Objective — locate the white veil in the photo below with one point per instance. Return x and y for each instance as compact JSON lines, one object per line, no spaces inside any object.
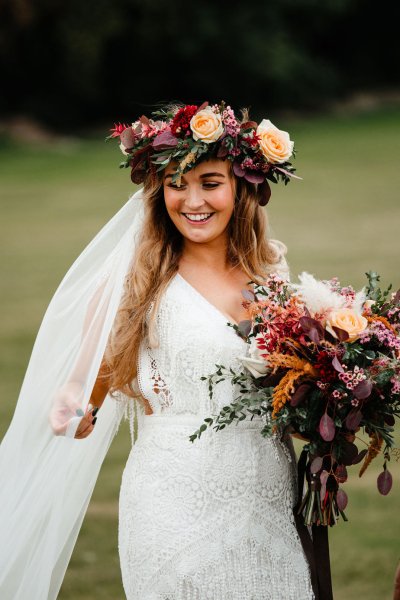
{"x":46,"y":480}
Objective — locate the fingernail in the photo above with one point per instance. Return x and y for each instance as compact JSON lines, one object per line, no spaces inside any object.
{"x":94,"y":421}
{"x":95,"y":411}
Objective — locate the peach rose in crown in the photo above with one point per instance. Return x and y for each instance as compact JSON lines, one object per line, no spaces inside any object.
{"x":206,"y":126}
{"x":347,"y":319}
{"x":275,"y":144}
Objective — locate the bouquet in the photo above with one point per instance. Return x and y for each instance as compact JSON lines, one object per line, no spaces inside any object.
{"x":324,"y":362}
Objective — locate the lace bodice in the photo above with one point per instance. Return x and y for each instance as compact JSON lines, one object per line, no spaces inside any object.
{"x":212,"y":519}
{"x":193,"y":338}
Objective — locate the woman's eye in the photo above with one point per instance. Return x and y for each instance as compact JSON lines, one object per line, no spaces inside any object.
{"x":210,"y":185}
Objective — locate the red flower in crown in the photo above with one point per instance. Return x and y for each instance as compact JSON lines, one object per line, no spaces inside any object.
{"x":180,"y":124}
{"x":118,"y":129}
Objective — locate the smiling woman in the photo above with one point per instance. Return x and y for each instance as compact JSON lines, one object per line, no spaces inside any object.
{"x":144,"y":311}
{"x":204,"y":200}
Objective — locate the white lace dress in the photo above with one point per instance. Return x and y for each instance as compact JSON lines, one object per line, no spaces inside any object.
{"x":210,"y":519}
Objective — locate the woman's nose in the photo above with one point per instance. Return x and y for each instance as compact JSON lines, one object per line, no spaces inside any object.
{"x":193,"y":198}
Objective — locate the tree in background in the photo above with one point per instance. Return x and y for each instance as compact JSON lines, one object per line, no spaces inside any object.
{"x":74,"y":63}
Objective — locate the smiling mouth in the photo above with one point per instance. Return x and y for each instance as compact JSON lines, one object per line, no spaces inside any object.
{"x":198,"y":217}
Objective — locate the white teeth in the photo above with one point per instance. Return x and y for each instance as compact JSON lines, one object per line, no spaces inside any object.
{"x":199,"y":217}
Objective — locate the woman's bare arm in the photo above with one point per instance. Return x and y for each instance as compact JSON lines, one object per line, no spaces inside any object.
{"x":99,"y":392}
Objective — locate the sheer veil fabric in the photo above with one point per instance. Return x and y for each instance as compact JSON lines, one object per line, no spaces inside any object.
{"x":46,"y":480}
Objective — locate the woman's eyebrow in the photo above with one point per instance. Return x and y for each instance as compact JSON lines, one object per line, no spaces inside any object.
{"x":212,"y":175}
{"x":203,"y":176}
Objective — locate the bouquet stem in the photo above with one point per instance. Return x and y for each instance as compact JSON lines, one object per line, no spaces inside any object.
{"x":315,"y":510}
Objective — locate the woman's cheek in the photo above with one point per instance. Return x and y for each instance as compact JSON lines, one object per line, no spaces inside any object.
{"x":172,"y":200}
{"x":222,"y":200}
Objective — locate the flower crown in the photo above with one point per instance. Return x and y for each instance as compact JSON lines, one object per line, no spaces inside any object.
{"x":191,"y":134}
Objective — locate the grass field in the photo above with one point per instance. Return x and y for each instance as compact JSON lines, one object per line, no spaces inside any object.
{"x":342,"y":219}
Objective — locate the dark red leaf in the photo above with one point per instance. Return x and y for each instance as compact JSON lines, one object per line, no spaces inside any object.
{"x":248,"y":295}
{"x":307,"y":323}
{"x":244,"y":327}
{"x":349,"y":452}
{"x":316,"y":464}
{"x":164,"y":141}
{"x":341,"y":499}
{"x":341,"y":333}
{"x":389,"y":420}
{"x":201,"y":107}
{"x":237,"y":169}
{"x":264,"y":193}
{"x":302,"y":391}
{"x":363,"y":389}
{"x":312,"y":328}
{"x":315,"y":335}
{"x":254,"y":176}
{"x":327,"y":428}
{"x":323,"y":479}
{"x":360,"y":456}
{"x":127,"y":138}
{"x":341,"y":473}
{"x":336,"y":364}
{"x":384,"y":482}
{"x":222,"y":151}
{"x":138,"y":164}
{"x":273,"y":379}
{"x":353,"y":419}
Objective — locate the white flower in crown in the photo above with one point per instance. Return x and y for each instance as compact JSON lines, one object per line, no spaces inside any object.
{"x":276,"y":145}
{"x":206,"y":125}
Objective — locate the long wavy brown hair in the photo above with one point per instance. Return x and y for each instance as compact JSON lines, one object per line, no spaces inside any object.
{"x":157,"y":261}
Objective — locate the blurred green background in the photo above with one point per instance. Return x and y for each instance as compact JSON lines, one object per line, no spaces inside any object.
{"x":70,"y":69}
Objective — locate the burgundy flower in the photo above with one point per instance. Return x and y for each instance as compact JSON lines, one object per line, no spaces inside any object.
{"x":180,"y":124}
{"x":324,"y":365}
{"x":252,"y":139}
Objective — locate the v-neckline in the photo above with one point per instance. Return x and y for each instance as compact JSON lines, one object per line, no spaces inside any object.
{"x":200,"y":295}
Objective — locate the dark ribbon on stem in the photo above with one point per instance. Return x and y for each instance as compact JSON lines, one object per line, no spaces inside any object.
{"x":316,"y":548}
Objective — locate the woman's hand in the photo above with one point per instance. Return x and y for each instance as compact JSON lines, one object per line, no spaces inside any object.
{"x":87,"y":424}
{"x":66,"y":412}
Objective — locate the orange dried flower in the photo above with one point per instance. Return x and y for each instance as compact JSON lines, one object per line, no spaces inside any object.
{"x":374,"y":448}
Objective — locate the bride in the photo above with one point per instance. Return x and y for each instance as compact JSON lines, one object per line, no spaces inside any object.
{"x":140,"y":318}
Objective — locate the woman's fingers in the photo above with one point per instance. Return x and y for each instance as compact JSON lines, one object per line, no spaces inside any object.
{"x":83,"y":434}
{"x":86,"y":425}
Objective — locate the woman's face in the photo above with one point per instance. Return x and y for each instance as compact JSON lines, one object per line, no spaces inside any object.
{"x":203,"y":204}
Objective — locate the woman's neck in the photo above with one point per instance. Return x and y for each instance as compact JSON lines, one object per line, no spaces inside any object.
{"x":210,"y":255}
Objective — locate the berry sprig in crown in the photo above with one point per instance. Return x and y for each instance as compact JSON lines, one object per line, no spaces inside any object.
{"x":190,"y":134}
